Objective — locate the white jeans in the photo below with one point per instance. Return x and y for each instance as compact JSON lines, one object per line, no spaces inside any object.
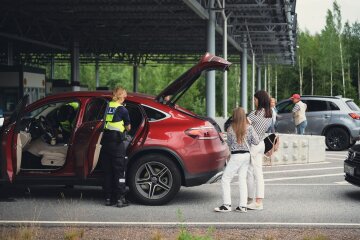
{"x":255,"y":176}
{"x":238,"y":163}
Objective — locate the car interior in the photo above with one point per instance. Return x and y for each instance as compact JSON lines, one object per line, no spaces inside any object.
{"x":43,"y":137}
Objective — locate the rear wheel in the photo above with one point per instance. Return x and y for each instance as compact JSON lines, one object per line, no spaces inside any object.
{"x":337,"y":139}
{"x":154,"y":179}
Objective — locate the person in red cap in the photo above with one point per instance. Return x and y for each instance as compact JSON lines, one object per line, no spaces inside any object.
{"x":299,"y":114}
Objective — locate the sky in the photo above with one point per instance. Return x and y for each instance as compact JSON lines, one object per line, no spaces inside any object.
{"x":311,"y":14}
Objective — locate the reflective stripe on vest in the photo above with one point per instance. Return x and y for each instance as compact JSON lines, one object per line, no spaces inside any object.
{"x":66,"y":125}
{"x":110,"y":125}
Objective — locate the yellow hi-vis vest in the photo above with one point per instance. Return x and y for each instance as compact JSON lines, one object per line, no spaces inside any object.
{"x":67,"y":125}
{"x":110,"y":125}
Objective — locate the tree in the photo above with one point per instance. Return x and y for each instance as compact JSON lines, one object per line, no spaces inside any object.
{"x":338,"y":28}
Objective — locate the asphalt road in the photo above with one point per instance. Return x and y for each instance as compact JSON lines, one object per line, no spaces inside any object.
{"x":312,"y":194}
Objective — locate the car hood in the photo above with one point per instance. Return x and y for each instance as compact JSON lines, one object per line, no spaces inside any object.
{"x":178,"y":87}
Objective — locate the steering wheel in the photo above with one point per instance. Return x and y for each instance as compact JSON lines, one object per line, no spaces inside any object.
{"x":46,"y":126}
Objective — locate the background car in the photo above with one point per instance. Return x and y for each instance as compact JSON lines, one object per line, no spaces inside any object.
{"x":336,"y":118}
{"x":352,"y":165}
{"x":170,"y":146}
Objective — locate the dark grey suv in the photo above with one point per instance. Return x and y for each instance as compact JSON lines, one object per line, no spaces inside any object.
{"x":336,"y":118}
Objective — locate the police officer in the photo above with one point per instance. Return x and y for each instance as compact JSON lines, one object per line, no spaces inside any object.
{"x":113,"y":149}
{"x":66,"y":117}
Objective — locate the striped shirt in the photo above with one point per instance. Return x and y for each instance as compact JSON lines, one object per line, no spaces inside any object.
{"x":296,"y":108}
{"x":259,"y":122}
{"x":251,"y":139}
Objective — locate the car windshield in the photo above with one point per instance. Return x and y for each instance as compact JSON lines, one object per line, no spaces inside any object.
{"x":44,"y":110}
{"x":353,"y":106}
{"x":285,"y":107}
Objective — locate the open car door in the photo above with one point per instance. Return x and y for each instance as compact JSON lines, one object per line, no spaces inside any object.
{"x":86,"y":143}
{"x":9,"y":135}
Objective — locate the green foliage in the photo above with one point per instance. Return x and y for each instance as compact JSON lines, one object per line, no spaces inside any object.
{"x":186,"y":235}
{"x":318,"y":237}
{"x":74,"y":234}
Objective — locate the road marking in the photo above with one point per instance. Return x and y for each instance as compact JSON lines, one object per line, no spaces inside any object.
{"x":88,"y":223}
{"x":334,"y":158}
{"x":343,"y":183}
{"x":336,"y":155}
{"x":303,"y":177}
{"x":305,"y":184}
{"x":297,"y":164}
{"x":302,"y":170}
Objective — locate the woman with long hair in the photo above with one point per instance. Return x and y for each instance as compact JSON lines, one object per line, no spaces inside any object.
{"x":240,"y":136}
{"x":260,"y":119}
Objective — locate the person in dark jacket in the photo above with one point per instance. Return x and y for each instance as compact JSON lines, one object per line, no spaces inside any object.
{"x":113,"y":152}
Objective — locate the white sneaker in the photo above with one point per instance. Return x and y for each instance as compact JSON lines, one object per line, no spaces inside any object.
{"x":223,"y":208}
{"x":255,"y":206}
{"x":241,"y":209}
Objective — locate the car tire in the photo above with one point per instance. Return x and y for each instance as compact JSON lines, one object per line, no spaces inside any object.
{"x":154,"y":179}
{"x":337,"y":139}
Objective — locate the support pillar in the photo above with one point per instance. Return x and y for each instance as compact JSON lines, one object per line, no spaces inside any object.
{"x":52,"y":68}
{"x":265,"y":78}
{"x":253,"y":82}
{"x":225,"y":76}
{"x":244,"y":103}
{"x":135,"y":77}
{"x":258,"y":78}
{"x":97,"y":72}
{"x":75,"y":62}
{"x":210,"y":75}
{"x":10,"y":54}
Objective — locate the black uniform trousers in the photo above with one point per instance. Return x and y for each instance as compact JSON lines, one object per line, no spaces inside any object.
{"x":114,"y":163}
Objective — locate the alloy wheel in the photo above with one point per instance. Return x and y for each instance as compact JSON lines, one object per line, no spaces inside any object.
{"x":153,"y":180}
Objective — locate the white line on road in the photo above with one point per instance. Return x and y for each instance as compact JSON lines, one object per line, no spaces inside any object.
{"x":334,"y":158}
{"x":303,"y":177}
{"x":336,"y":155}
{"x":67,"y":223}
{"x":303,"y":170}
{"x":343,"y":183}
{"x":297,"y":164}
{"x":306,"y":184}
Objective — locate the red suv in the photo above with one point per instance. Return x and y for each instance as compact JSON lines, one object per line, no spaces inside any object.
{"x":169,"y":146}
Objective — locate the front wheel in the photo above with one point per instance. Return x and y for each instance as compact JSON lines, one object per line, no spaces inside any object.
{"x":337,"y":139}
{"x":154,"y":179}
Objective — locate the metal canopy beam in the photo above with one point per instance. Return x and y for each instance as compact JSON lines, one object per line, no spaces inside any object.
{"x":154,"y":27}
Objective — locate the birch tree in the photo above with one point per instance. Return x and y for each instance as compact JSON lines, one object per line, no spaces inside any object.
{"x":338,"y":28}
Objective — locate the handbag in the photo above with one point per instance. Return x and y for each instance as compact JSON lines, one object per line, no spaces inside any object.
{"x":272,"y":143}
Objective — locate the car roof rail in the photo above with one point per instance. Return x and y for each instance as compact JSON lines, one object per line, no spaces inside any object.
{"x":319,"y":96}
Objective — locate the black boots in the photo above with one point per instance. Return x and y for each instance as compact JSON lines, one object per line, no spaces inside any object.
{"x":108,"y":202}
{"x":122,"y":202}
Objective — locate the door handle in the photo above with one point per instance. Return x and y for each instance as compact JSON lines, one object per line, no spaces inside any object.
{"x":327,"y":116}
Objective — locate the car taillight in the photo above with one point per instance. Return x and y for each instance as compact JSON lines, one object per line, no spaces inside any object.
{"x":355,"y":116}
{"x":203,"y":133}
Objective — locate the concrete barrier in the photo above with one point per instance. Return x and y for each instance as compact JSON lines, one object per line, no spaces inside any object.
{"x":298,"y":149}
{"x":293,"y":149}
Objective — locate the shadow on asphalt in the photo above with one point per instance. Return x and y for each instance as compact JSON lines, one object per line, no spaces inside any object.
{"x":10,"y":194}
{"x":354,"y":195}
{"x":188,"y":196}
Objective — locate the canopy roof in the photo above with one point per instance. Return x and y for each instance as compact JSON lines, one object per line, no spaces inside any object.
{"x":142,"y":30}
